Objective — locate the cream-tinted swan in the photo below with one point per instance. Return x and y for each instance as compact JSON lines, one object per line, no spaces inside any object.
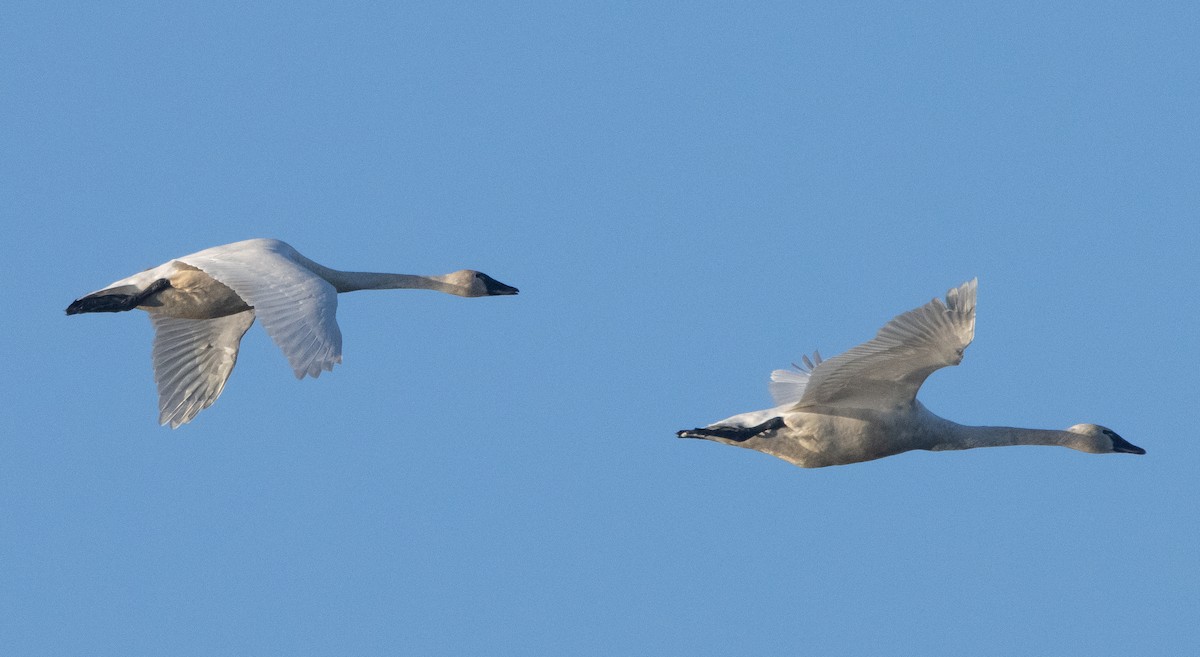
{"x":862,"y":405}
{"x":202,"y":304}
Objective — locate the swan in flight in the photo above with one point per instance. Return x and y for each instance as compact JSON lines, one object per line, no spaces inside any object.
{"x":862,"y":405}
{"x":202,"y":304}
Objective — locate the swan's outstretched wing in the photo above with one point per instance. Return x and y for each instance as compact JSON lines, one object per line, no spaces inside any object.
{"x":296,"y":307}
{"x":192,"y":361}
{"x":885,"y":372}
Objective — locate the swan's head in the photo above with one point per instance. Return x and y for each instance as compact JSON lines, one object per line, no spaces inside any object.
{"x":1101,"y":440}
{"x":471,"y":283}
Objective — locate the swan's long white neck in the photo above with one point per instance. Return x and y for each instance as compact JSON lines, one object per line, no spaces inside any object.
{"x":350,"y":281}
{"x":958,"y":436}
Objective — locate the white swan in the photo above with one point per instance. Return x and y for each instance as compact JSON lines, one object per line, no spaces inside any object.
{"x":202,"y":304}
{"x":862,"y":405}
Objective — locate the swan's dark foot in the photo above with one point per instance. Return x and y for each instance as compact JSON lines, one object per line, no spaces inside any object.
{"x":736,"y":434}
{"x":111,"y":301}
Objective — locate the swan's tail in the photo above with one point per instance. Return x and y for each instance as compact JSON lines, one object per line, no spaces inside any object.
{"x":116,"y":299}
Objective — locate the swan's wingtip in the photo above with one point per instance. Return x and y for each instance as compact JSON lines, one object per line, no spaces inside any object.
{"x":963,"y":297}
{"x":314,"y":370}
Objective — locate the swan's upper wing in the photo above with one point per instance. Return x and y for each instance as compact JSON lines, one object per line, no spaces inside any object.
{"x":296,"y":307}
{"x":885,"y":372}
{"x":192,"y":361}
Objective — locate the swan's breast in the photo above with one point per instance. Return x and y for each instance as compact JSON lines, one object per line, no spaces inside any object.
{"x":194,"y":294}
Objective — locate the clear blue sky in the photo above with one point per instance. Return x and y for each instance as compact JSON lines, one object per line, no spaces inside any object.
{"x":689,"y":196}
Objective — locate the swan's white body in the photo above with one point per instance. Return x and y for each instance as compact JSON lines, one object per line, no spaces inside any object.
{"x":202,"y":304}
{"x":861,"y":405}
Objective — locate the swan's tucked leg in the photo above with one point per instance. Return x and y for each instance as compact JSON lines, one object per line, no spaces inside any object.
{"x":117,"y":299}
{"x":736,"y":434}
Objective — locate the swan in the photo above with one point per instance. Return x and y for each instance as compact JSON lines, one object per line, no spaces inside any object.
{"x":202,"y":304}
{"x":862,"y":405}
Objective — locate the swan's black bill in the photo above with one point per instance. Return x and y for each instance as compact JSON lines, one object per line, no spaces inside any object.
{"x":1122,"y":446}
{"x":495,"y":287}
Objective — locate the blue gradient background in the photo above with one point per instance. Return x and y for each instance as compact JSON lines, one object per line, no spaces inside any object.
{"x":688,"y":195}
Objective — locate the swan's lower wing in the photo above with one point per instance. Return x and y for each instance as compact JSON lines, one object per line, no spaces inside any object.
{"x":296,"y":307}
{"x":886,"y":372}
{"x":192,"y":360}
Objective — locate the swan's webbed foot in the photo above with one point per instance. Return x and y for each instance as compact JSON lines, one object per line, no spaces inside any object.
{"x":736,"y":434}
{"x":111,"y":301}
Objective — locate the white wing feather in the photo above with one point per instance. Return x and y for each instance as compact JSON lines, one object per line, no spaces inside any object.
{"x":787,"y":386}
{"x":192,"y":360}
{"x":296,"y":307}
{"x":886,"y":372}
